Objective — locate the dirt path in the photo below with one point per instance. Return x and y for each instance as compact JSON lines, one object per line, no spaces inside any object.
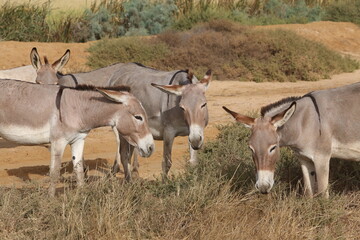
{"x":22,"y":163}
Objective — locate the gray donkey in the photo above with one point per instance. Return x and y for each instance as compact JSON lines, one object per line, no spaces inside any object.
{"x":172,"y":118}
{"x":318,"y":126}
{"x":50,"y":73}
{"x":177,"y":107}
{"x":33,"y":114}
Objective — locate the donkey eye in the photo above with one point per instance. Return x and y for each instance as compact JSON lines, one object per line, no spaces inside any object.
{"x":202,"y":106}
{"x":182,"y":108}
{"x":272,"y":148}
{"x":138,"y":117}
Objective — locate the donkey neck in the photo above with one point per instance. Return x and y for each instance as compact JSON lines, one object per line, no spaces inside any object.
{"x":85,"y":110}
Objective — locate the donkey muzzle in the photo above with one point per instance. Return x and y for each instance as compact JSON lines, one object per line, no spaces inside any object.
{"x":146,"y":146}
{"x":196,"y":137}
{"x":265,"y":181}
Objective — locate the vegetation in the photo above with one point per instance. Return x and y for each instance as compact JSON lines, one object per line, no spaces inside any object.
{"x":231,"y":50}
{"x":114,"y":18}
{"x":213,"y":200}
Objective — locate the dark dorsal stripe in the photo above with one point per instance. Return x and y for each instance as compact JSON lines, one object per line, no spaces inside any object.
{"x":84,"y":87}
{"x":142,"y":65}
{"x":269,"y":107}
{"x":316,"y":107}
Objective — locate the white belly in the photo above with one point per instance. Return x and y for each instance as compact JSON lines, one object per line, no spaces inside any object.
{"x":349,"y":151}
{"x":25,"y":134}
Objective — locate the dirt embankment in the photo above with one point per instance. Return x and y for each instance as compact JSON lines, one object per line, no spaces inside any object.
{"x":22,"y":163}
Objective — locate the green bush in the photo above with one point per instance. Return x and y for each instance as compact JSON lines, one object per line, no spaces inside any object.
{"x":146,"y":18}
{"x":126,"y":49}
{"x":24,"y":22}
{"x":343,"y":11}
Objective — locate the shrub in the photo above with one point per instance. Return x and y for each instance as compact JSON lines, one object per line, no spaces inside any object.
{"x":24,"y":22}
{"x":232,"y":51}
{"x":127,"y":49}
{"x":343,"y":11}
{"x":145,"y":17}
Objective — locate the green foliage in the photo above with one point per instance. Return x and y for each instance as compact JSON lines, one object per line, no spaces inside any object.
{"x":23,"y":22}
{"x":127,"y":49}
{"x":343,"y":11}
{"x":293,"y":13}
{"x":145,"y":17}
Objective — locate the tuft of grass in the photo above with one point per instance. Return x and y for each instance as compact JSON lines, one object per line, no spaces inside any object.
{"x":232,"y":51}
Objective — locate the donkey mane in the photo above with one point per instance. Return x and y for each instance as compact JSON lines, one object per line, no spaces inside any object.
{"x":271,"y":106}
{"x":84,"y":87}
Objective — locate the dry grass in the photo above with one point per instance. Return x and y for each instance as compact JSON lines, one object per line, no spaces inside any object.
{"x":61,"y":5}
{"x":214,"y":200}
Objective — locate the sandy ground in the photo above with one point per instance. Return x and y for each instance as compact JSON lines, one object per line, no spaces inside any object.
{"x":20,"y":164}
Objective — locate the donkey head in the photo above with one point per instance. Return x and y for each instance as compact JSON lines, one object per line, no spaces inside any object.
{"x":264,"y":143}
{"x":194,"y":106}
{"x":47,"y":73}
{"x":131,"y":121}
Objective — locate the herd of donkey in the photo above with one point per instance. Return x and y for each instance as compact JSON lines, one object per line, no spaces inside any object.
{"x":142,"y":104}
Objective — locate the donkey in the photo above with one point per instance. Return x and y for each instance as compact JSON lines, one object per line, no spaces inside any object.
{"x":50,"y":73}
{"x":317,"y":126}
{"x":24,"y":73}
{"x":60,"y":116}
{"x":179,"y":109}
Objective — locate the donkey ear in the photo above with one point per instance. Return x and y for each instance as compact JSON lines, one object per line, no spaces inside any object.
{"x":281,"y":118}
{"x":206,"y":79}
{"x":170,"y":89}
{"x":115,"y":96}
{"x":35,"y":59}
{"x":247,"y":121}
{"x":190,"y":75}
{"x":61,"y":62}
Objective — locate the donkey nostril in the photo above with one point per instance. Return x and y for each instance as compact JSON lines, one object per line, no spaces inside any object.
{"x":201,"y":138}
{"x":151,"y":148}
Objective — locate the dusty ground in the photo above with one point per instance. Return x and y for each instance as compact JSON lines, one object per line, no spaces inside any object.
{"x":23,"y":163}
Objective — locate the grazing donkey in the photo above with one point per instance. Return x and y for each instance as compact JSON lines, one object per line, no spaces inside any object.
{"x":38,"y":114}
{"x":50,"y":73}
{"x":318,"y":126}
{"x":24,"y":73}
{"x":179,"y":109}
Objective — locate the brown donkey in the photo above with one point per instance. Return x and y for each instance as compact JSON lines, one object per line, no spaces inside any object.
{"x":318,"y":126}
{"x":38,"y":114}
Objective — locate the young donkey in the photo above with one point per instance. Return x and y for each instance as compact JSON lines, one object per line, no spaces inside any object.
{"x":318,"y":126}
{"x":37,"y":114}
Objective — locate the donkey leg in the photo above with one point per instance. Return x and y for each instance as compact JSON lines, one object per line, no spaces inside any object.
{"x":135,"y":164}
{"x":309,"y":176}
{"x":322,"y":168}
{"x":77,"y":149}
{"x":57,"y":151}
{"x":193,"y":156}
{"x":116,"y":166}
{"x":167,"y":147}
{"x":126,"y":151}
